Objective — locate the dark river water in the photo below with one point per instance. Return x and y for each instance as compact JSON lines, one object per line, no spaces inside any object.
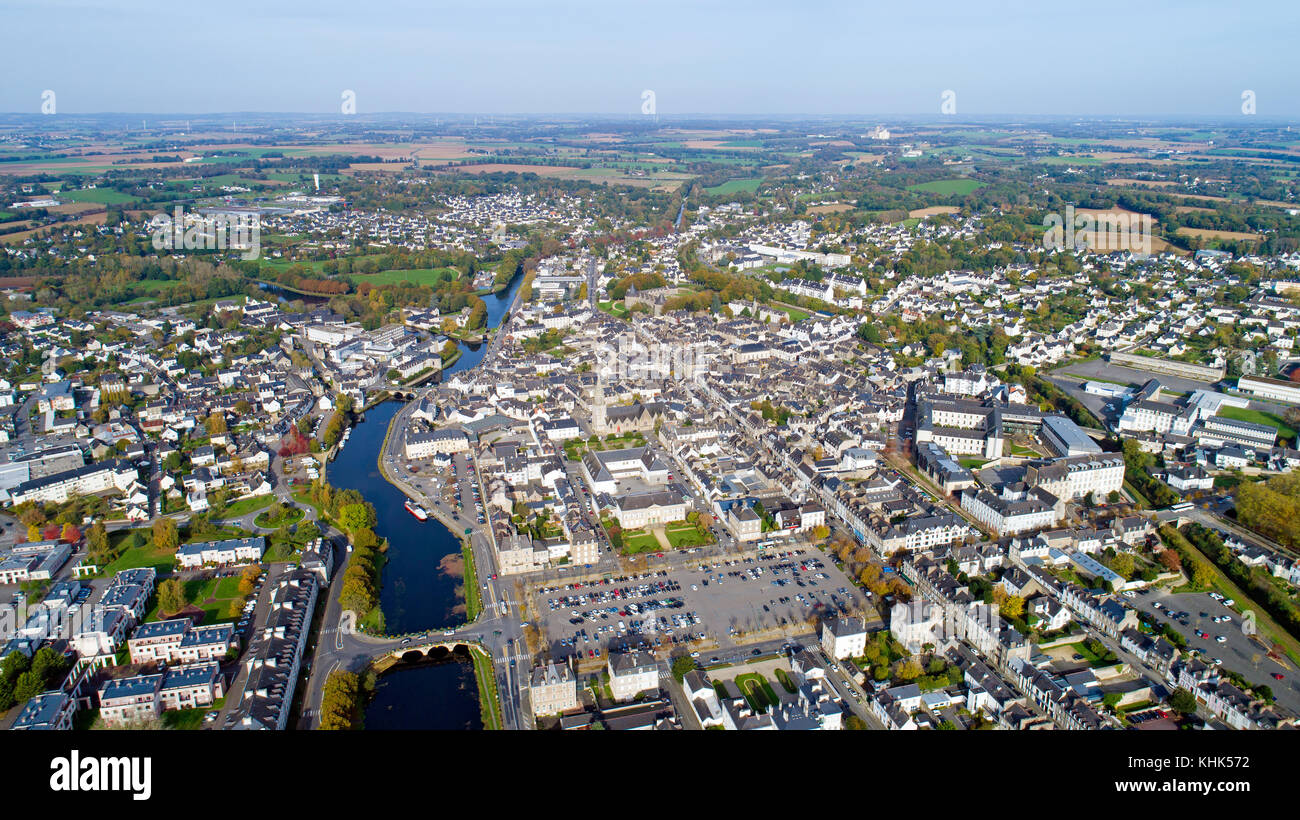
{"x":418,"y":593}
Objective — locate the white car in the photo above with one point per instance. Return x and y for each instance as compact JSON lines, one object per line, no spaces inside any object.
{"x":1220,"y":639}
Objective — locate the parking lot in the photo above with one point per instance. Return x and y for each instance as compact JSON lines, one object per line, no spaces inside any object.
{"x":1196,"y":612}
{"x":712,"y":600}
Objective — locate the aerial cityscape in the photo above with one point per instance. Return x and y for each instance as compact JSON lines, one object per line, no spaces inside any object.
{"x":318,"y":415}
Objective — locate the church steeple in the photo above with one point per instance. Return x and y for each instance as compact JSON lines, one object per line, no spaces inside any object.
{"x":598,"y":418}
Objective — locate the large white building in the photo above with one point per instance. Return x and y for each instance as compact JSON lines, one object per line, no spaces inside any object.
{"x":86,"y":480}
{"x":1267,"y":388}
{"x":636,"y":510}
{"x":844,"y":638}
{"x":552,"y":689}
{"x":1074,"y":477}
{"x":1013,"y":511}
{"x":424,"y":445}
{"x":631,"y":673}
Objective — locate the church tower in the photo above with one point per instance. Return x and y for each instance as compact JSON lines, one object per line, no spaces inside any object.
{"x":599,"y":422}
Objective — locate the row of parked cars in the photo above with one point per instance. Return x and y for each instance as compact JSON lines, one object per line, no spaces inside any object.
{"x":251,"y":603}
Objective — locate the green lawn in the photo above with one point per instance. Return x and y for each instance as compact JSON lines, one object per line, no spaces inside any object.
{"x":948,"y":187}
{"x":275,"y":517}
{"x":244,"y":506}
{"x":1258,"y":417}
{"x":418,"y":276}
{"x":212,"y":595}
{"x":973,"y":463}
{"x":144,"y":556}
{"x":686,"y":537}
{"x":1093,"y":658}
{"x":786,"y":682}
{"x":190,"y":719}
{"x":733,"y":186}
{"x":640,"y":541}
{"x":575,"y":447}
{"x":617,"y":310}
{"x":757,"y":691}
{"x":795,"y":314}
{"x":103,"y":196}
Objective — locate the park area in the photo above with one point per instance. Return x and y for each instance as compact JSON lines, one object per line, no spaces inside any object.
{"x":755,"y":683}
{"x":219,"y":598}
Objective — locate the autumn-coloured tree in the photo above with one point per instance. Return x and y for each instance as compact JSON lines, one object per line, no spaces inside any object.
{"x":171,"y":596}
{"x":1170,"y":560}
{"x":164,"y":533}
{"x":248,"y":578}
{"x":1013,"y":606}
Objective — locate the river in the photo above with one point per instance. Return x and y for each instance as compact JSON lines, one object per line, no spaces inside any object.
{"x":418,"y":592}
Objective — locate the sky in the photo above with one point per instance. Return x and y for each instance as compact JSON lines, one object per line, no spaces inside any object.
{"x":1150,"y":59}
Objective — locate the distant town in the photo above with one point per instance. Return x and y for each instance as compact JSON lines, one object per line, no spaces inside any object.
{"x":685,"y":425}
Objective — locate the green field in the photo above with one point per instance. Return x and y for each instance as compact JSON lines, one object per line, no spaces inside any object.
{"x":948,"y":187}
{"x":212,"y":595}
{"x":190,"y":719}
{"x":618,"y":310}
{"x":1259,"y":417}
{"x":303,"y":177}
{"x":418,"y":276}
{"x":795,"y":314}
{"x":757,"y":691}
{"x":733,"y":186}
{"x":145,"y":556}
{"x":104,"y":196}
{"x":640,"y":541}
{"x":686,"y":537}
{"x":244,"y":506}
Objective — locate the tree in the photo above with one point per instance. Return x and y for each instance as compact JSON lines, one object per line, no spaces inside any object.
{"x":1013,"y":606}
{"x":165,"y":536}
{"x":248,"y":579}
{"x":681,"y":665}
{"x":1202,"y":575}
{"x":28,"y":686}
{"x":354,"y":517}
{"x":97,"y":543}
{"x":171,"y":596}
{"x":216,"y":423}
{"x":1170,"y":560}
{"x":909,"y":670}
{"x":339,"y":700}
{"x":1182,"y":701}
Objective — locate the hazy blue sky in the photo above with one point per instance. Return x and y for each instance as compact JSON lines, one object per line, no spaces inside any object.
{"x":1141,"y":59}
